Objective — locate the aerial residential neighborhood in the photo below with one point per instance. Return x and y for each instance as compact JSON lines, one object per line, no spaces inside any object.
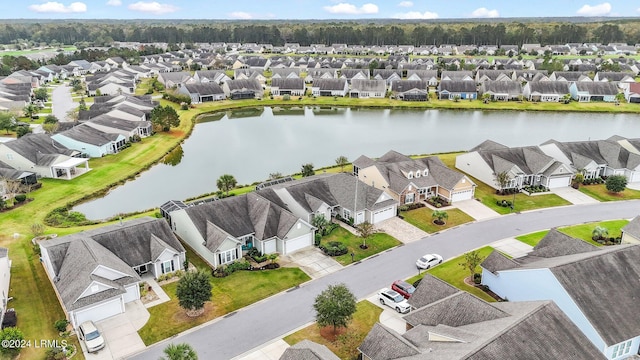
{"x":327,"y":181}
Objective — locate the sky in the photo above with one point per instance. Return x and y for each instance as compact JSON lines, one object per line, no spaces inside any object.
{"x":312,"y":9}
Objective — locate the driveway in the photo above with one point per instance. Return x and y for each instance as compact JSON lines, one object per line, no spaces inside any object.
{"x":574,"y":196}
{"x":61,"y":102}
{"x":401,"y":230}
{"x":312,"y":261}
{"x":512,"y":247}
{"x":476,"y":209}
{"x":121,"y":333}
{"x":287,"y":311}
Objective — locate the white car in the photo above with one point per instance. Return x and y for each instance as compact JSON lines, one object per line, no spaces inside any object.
{"x":428,"y":261}
{"x":88,"y":332}
{"x":394,"y":300}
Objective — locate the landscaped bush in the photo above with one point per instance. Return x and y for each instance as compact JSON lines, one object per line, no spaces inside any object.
{"x":535,"y":189}
{"x":317,"y":239}
{"x":594,"y":181}
{"x":177,"y":98}
{"x":415,"y":206}
{"x":256,"y":255}
{"x":20,"y":198}
{"x":334,"y":248}
{"x":504,"y":203}
{"x":477,"y":278}
{"x":438,"y":201}
{"x":61,"y":325}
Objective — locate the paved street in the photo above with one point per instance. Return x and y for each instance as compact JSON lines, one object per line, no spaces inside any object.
{"x":62,"y":102}
{"x":260,"y":323}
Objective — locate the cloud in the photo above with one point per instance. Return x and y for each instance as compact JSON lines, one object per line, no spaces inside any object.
{"x":350,"y":9}
{"x":595,"y":10}
{"x":153,"y":7}
{"x":485,"y":13}
{"x":114,"y":2}
{"x":405,"y":4}
{"x":56,"y":7}
{"x":240,"y":15}
{"x":411,"y":15}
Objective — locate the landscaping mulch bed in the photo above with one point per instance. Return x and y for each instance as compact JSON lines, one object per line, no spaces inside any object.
{"x":470,"y":282}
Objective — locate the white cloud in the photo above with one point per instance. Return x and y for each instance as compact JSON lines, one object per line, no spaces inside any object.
{"x":411,"y":15}
{"x":153,"y":7}
{"x":485,"y":13}
{"x":595,"y":10}
{"x":240,"y":15}
{"x":405,"y":4}
{"x":56,"y":7}
{"x":114,"y":2}
{"x":350,"y":9}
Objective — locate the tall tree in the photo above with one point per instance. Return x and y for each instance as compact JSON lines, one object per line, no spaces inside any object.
{"x":165,"y":117}
{"x":226,"y":183}
{"x":182,"y":351}
{"x":193,"y":290}
{"x":307,"y":170}
{"x":335,"y":306}
{"x":6,"y":121}
{"x":342,"y":161}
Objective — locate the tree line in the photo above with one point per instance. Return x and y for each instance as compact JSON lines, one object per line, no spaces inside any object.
{"x":104,"y":33}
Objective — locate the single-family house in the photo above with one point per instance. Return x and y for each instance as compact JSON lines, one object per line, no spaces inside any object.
{"x":96,"y":272}
{"x":501,"y":90}
{"x":457,"y":89}
{"x":90,"y":141}
{"x":173,"y":79}
{"x":622,"y":79}
{"x":461,"y":75}
{"x":42,"y":155}
{"x":493,"y":75}
{"x":410,"y":90}
{"x":114,"y":125}
{"x":595,"y":158}
{"x":388,"y":75}
{"x":286,"y":72}
{"x":205,"y":76}
{"x":631,"y":231}
{"x":430,"y":76}
{"x":354,"y":74}
{"x":320,"y":73}
{"x":545,"y":91}
{"x":569,"y":76}
{"x":593,"y":91}
{"x":559,"y":269}
{"x":455,"y":325}
{"x":117,"y":62}
{"x":412,"y":180}
{"x":248,"y":74}
{"x":524,"y":166}
{"x":202,"y":92}
{"x":219,"y":231}
{"x":329,"y":87}
{"x":243,"y":89}
{"x":632,"y":93}
{"x":288,"y":86}
{"x":365,"y":88}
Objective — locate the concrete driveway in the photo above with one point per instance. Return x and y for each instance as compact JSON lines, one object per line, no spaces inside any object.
{"x":312,"y":261}
{"x":476,"y":209}
{"x":574,"y":196}
{"x":121,"y":333}
{"x":401,"y":230}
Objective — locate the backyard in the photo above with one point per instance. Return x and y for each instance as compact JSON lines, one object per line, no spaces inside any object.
{"x":376,"y":243}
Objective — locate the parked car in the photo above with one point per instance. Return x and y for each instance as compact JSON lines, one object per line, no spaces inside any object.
{"x":394,"y":300}
{"x":403,"y":288}
{"x":428,"y":261}
{"x":88,"y":332}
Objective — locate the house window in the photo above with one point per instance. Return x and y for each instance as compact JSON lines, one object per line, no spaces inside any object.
{"x":422,"y":191}
{"x":410,"y":175}
{"x":346,"y":213}
{"x":227,"y":256}
{"x":621,"y":349}
{"x":425,"y":173}
{"x":167,"y":267}
{"x":409,"y":198}
{"x":417,"y":174}
{"x":355,"y":170}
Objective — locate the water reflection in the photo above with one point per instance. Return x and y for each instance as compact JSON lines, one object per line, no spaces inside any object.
{"x":174,"y":157}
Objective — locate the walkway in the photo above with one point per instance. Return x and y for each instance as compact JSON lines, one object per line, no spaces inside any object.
{"x":574,"y":196}
{"x":476,"y":209}
{"x":162,"y":296}
{"x":401,"y":230}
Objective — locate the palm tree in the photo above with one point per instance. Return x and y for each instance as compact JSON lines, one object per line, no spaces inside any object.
{"x":181,"y":351}
{"x":226,"y":182}
{"x":439,"y":216}
{"x":566,"y":98}
{"x":342,"y":161}
{"x":599,"y":233}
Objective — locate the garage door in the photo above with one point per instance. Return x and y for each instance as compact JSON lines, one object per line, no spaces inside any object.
{"x":97,"y":313}
{"x":383,"y":214}
{"x":462,"y":195}
{"x":634,"y":176}
{"x":559,"y":182}
{"x":270,"y":246}
{"x":132,"y":293}
{"x":298,"y":243}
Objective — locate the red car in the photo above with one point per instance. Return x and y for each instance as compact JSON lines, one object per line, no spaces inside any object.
{"x":403,"y":288}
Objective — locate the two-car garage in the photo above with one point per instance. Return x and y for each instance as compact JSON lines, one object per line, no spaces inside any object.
{"x":106,"y":308}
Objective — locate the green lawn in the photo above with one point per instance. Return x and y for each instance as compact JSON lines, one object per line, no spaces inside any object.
{"x":345,"y":346}
{"x":377,"y":243}
{"x":600,"y":193}
{"x":582,"y":231}
{"x":451,"y":272}
{"x":422,"y":219}
{"x":229,"y":294}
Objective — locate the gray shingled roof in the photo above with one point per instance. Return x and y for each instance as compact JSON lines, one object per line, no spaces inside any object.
{"x":501,"y":87}
{"x":288,"y":83}
{"x":430,"y":290}
{"x":368,"y":85}
{"x":329,"y":84}
{"x":555,"y":243}
{"x":308,"y":350}
{"x":496,"y":262}
{"x":597,"y":88}
{"x":244,"y":84}
{"x":383,"y":343}
{"x":457,"y":86}
{"x":633,"y":227}
{"x":549,"y":87}
{"x":529,"y":159}
{"x":117,"y":123}
{"x":34,"y":146}
{"x":204,"y":89}
{"x":407,"y":85}
{"x":87,"y":134}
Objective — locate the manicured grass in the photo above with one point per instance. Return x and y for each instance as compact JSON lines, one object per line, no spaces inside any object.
{"x":452,"y":272}
{"x":195,"y":259}
{"x":582,"y":231}
{"x":377,"y":243}
{"x":422,"y":219}
{"x":345,"y":346}
{"x":228,"y":294}
{"x":600,"y":192}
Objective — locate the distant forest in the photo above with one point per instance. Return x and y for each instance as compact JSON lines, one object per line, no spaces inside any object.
{"x":382,"y":32}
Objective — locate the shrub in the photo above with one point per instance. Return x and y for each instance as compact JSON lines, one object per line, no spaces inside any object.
{"x":317,"y":239}
{"x":14,"y":336}
{"x":403,"y":208}
{"x":184,"y":106}
{"x":21,"y":198}
{"x":477,"y":278}
{"x":61,"y":325}
{"x":334,"y":248}
{"x":241,"y":264}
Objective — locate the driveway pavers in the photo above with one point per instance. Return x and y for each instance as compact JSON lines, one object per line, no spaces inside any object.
{"x":401,"y":230}
{"x":574,"y":196}
{"x":476,"y":209}
{"x":312,"y":261}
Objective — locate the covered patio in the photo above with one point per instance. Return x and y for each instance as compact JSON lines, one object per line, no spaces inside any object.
{"x":70,"y":168}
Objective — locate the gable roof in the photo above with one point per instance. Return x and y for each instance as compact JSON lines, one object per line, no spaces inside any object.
{"x":457,"y":86}
{"x":308,"y":350}
{"x":288,"y":83}
{"x":633,"y":227}
{"x":36,"y":146}
{"x":549,"y":87}
{"x":330,"y":84}
{"x":368,"y":85}
{"x":208,"y":88}
{"x":556,"y":243}
{"x":430,"y":290}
